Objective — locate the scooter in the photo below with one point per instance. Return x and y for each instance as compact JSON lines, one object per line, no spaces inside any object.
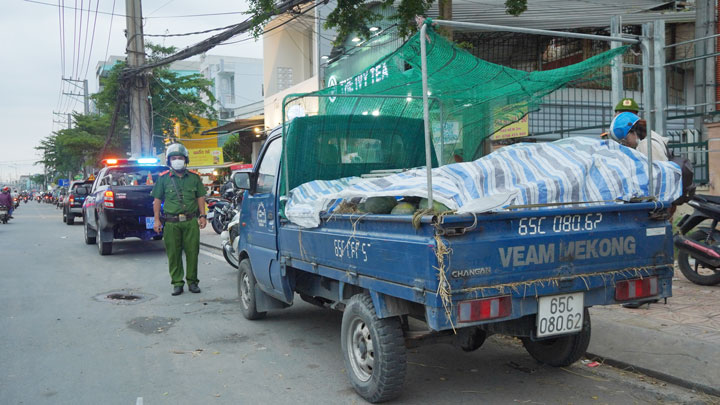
{"x":230,"y":240}
{"x":4,"y":214}
{"x":699,"y":250}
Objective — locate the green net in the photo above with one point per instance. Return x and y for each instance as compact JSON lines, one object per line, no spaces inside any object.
{"x":373,"y":121}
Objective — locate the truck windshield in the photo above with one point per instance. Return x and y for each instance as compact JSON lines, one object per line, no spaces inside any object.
{"x":134,"y":175}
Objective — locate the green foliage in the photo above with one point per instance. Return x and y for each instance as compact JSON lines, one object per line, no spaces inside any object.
{"x":355,"y":17}
{"x":238,"y":148}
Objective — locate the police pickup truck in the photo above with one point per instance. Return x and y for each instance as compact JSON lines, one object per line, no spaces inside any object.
{"x":528,"y":273}
{"x":119,"y":205}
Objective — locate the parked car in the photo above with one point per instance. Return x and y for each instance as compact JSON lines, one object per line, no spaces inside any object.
{"x":119,"y":205}
{"x":73,"y":201}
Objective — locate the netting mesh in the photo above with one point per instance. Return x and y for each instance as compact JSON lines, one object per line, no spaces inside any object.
{"x":470,"y":100}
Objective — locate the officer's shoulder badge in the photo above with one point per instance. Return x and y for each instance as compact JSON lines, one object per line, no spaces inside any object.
{"x":165,"y":172}
{"x":194,"y":172}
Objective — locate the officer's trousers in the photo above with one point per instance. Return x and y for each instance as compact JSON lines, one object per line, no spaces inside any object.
{"x":179,"y":237}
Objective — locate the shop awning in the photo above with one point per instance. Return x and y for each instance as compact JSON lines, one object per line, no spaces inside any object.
{"x":245,"y":124}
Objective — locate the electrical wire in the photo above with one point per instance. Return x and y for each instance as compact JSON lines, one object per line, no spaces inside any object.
{"x":72,"y":72}
{"x":92,"y":40}
{"x":123,"y":15}
{"x":112,"y":17}
{"x":189,"y":33}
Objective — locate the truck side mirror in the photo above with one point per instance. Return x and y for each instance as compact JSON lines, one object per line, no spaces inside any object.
{"x":242,"y":180}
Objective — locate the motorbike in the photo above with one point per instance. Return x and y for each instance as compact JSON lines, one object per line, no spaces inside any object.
{"x":230,"y":240}
{"x":4,"y":214}
{"x":25,"y":199}
{"x":699,"y":250}
{"x":221,"y":211}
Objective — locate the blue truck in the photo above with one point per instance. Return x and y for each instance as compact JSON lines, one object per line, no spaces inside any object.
{"x":528,"y":273}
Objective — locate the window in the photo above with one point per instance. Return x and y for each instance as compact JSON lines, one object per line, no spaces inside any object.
{"x":132,"y":176}
{"x":284,"y":78}
{"x":268,"y":167}
{"x":361,"y":150}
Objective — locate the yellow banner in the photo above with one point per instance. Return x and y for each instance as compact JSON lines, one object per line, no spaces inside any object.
{"x":189,"y":134}
{"x":205,"y":156}
{"x":514,"y":130}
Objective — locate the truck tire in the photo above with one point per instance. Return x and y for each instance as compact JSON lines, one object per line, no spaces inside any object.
{"x":246,"y":291}
{"x":70,"y":219}
{"x":89,"y":240}
{"x":710,"y":276}
{"x":64,"y":217}
{"x":373,"y":351}
{"x":561,"y":351}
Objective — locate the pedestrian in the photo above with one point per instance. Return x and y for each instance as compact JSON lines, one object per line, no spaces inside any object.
{"x":629,"y":130}
{"x":624,"y":105}
{"x":181,"y":195}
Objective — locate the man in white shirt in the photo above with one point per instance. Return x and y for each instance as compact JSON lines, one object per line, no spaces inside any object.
{"x":629,"y":130}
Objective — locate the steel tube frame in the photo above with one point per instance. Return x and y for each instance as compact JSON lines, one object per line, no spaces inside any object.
{"x":647,"y":99}
{"x":490,"y":27}
{"x":426,"y":114}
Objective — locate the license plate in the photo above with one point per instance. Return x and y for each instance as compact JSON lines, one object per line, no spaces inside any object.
{"x":560,"y":314}
{"x":210,"y":214}
{"x":149,"y":222}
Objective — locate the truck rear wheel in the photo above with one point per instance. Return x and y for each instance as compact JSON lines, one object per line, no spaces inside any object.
{"x":70,"y":219}
{"x":246,"y":291}
{"x":561,"y":351}
{"x":104,"y":248}
{"x":373,"y":351}
{"x":89,"y":240}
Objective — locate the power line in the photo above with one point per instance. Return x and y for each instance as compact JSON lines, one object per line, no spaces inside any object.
{"x":123,"y":15}
{"x":112,"y":17}
{"x":189,"y":33}
{"x":92,"y":40}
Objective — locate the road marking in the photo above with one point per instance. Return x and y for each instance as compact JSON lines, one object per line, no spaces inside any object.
{"x":139,"y":401}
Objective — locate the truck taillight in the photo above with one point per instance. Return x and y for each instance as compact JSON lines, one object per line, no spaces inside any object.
{"x":636,"y":288}
{"x":109,"y":199}
{"x":487,"y":308}
{"x":71,"y":199}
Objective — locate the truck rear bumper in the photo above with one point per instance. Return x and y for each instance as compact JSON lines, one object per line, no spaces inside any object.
{"x":126,"y":224}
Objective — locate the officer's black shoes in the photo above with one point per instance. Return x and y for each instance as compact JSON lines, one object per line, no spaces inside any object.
{"x":178,"y":289}
{"x":193,"y":288}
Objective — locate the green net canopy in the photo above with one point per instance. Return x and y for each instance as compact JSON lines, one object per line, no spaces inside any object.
{"x":470,"y":99}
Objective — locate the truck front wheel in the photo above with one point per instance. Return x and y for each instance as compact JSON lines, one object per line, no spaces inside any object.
{"x":561,"y":351}
{"x":373,"y":350}
{"x":246,"y":291}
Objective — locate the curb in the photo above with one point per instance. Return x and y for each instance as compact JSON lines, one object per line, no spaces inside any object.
{"x":655,"y":374}
{"x":207,"y":245}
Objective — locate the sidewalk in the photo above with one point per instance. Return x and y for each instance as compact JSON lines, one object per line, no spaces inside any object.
{"x":678,"y":342}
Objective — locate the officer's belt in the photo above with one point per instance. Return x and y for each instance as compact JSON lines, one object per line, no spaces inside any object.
{"x":176,"y":218}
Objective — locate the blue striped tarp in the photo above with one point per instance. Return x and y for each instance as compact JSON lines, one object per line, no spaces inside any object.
{"x":572,"y":170}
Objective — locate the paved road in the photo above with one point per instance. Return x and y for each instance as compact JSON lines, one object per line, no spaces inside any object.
{"x":61,"y":344}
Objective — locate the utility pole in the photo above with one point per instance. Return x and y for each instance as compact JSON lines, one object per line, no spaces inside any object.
{"x":138,"y":89}
{"x":84,"y":95}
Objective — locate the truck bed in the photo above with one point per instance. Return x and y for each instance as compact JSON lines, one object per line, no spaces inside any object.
{"x":526,"y":254}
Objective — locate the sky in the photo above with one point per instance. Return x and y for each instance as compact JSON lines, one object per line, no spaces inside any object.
{"x":31,"y":67}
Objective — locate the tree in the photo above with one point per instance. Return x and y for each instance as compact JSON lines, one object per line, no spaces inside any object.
{"x":357,"y":16}
{"x":237,"y":148}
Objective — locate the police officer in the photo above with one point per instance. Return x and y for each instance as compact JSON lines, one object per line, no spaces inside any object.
{"x":624,"y":105}
{"x":183,"y":195}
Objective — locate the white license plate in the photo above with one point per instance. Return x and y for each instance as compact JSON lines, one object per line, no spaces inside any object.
{"x":210,"y":214}
{"x":560,"y":314}
{"x":149,"y":222}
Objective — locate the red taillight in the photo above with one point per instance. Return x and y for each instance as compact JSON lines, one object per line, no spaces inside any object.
{"x":488,"y":308}
{"x":109,"y":199}
{"x":637,"y":288}
{"x":72,"y":199}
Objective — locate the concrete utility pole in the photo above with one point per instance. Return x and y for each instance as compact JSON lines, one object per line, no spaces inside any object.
{"x":138,"y":89}
{"x":84,"y":95}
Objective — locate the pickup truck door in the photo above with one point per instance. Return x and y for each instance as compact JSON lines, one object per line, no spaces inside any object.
{"x":259,"y":212}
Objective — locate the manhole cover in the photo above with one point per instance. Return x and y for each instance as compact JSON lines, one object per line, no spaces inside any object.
{"x":124,"y":297}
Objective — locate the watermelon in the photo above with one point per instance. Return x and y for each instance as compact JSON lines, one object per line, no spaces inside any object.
{"x":380,"y":205}
{"x":403,"y":208}
{"x":437,"y":206}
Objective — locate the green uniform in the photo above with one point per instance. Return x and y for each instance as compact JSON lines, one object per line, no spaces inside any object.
{"x":181,"y":236}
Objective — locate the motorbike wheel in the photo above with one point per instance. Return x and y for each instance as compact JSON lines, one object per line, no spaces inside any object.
{"x":217,"y":224}
{"x":230,"y":255}
{"x":695,"y":270}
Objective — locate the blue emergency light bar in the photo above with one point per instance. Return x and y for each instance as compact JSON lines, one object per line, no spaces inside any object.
{"x":146,"y":161}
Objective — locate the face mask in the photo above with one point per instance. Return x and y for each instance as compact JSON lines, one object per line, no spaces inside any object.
{"x":177,"y":164}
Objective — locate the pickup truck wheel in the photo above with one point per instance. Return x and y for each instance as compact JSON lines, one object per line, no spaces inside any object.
{"x":89,"y":240}
{"x":246,"y":291}
{"x":70,"y":219}
{"x":561,"y":351}
{"x":64,"y":217}
{"x":697,"y":272}
{"x":373,"y":351}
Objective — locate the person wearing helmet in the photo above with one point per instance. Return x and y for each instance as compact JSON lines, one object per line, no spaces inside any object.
{"x":6,"y":200}
{"x":182,"y":195}
{"x":624,"y":105}
{"x":629,"y":130}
